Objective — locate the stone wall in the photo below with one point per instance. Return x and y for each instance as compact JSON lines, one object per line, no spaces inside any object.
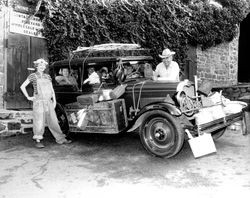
{"x":218,"y":64}
{"x":236,"y":92}
{"x":14,"y":122}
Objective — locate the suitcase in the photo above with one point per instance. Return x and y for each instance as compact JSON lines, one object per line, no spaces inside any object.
{"x":87,"y":99}
{"x":103,"y":117}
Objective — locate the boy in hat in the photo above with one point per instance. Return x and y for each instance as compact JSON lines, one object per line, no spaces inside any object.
{"x":44,"y":103}
{"x":167,"y":69}
{"x":93,"y":77}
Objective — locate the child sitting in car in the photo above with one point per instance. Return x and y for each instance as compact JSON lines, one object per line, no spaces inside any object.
{"x":93,"y":77}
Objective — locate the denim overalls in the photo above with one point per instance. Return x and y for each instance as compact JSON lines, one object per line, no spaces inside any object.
{"x":44,"y":112}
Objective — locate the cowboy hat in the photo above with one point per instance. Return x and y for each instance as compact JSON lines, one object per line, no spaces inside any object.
{"x":166,"y":53}
{"x":40,"y":61}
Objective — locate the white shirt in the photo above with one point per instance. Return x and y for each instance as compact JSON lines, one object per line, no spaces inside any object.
{"x":169,"y":73}
{"x":93,"y":79}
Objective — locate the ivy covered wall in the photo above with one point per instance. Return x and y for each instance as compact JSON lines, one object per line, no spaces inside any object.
{"x":154,"y":24}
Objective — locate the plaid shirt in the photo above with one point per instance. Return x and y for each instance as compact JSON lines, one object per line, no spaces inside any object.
{"x":33,"y":79}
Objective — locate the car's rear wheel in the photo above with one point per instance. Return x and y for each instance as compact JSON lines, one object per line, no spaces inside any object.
{"x":62,"y":119}
{"x":161,"y":134}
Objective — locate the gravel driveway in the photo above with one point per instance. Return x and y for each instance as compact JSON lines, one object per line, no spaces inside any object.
{"x":112,"y":165}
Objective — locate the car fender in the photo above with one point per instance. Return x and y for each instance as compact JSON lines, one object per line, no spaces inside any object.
{"x":167,"y":107}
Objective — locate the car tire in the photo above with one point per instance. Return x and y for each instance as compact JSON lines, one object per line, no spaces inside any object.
{"x":161,"y":134}
{"x":62,"y":119}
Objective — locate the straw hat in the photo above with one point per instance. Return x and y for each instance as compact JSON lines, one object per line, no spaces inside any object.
{"x":40,"y":61}
{"x":166,"y":53}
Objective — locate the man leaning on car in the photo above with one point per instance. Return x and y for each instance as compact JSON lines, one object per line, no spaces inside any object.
{"x":167,"y":69}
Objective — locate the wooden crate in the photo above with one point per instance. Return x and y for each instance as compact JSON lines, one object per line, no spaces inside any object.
{"x":104,"y":117}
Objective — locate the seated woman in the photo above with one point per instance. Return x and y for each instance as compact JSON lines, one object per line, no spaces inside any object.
{"x":66,"y":78}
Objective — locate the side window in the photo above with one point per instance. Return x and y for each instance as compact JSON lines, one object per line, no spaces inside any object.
{"x":148,"y":70}
{"x":142,"y":69}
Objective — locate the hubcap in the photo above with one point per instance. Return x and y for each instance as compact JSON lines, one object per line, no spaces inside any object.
{"x":159,"y":134}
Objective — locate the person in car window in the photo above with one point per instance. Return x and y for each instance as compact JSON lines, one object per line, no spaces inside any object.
{"x":104,"y":73}
{"x":44,"y":103}
{"x":167,"y":69}
{"x":93,"y":78}
{"x":66,"y":78}
{"x":130,"y":71}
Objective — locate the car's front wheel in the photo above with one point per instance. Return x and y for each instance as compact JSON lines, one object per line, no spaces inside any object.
{"x":161,"y":134}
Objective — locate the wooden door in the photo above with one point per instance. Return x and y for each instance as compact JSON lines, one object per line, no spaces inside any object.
{"x":22,"y":51}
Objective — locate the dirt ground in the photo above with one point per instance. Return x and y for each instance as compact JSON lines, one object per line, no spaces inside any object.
{"x":118,"y":166}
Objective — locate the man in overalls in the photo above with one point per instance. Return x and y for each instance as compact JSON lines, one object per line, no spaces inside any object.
{"x":44,"y":103}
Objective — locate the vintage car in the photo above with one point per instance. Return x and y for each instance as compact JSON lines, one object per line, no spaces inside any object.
{"x":161,"y":111}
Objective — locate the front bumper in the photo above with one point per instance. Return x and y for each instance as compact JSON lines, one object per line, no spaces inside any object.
{"x":220,"y":123}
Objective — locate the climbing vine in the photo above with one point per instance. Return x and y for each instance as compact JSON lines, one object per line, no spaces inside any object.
{"x":154,"y":24}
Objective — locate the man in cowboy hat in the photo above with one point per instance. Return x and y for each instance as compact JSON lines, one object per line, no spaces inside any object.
{"x":167,"y":69}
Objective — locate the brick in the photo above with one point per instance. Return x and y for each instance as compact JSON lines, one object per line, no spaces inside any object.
{"x":10,"y":127}
{"x":6,"y":115}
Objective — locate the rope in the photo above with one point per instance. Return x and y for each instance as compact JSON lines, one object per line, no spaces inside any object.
{"x":83,"y":66}
{"x":136,"y":107}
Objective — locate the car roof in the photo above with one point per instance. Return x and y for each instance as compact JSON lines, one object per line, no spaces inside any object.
{"x":109,"y":47}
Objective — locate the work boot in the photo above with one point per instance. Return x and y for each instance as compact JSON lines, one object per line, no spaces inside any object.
{"x":64,"y":141}
{"x":39,"y":145}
